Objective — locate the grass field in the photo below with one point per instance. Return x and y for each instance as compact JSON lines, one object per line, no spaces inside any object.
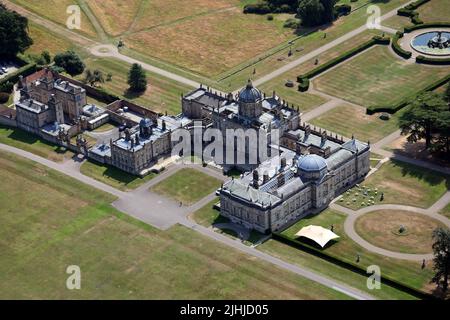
{"x":105,"y":127}
{"x":56,"y":11}
{"x":23,"y":140}
{"x":435,"y":11}
{"x":348,"y":120}
{"x":119,"y":257}
{"x":401,"y":183}
{"x":112,"y":176}
{"x":382,"y":229}
{"x":222,"y":40}
{"x":207,"y":215}
{"x":446,"y":211}
{"x":137,"y":15}
{"x":377,"y":78}
{"x":346,"y":249}
{"x":43,"y":39}
{"x":162,"y":93}
{"x":187,"y":186}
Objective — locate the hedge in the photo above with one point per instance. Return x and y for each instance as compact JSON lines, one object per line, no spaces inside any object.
{"x":23,"y":71}
{"x":398,"y":49}
{"x":409,"y":11}
{"x":350,"y":265}
{"x":434,"y":61}
{"x":304,"y":79}
{"x":404,"y":102}
{"x":426,"y":25}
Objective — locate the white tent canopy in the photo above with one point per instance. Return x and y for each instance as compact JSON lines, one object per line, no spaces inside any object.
{"x":318,"y":234}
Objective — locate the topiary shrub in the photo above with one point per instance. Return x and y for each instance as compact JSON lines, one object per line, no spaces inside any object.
{"x":270,"y":17}
{"x":303,"y":84}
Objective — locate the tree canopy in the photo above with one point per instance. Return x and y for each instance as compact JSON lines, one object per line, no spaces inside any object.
{"x":137,"y":79}
{"x":441,"y":249}
{"x":428,"y":117}
{"x":14,"y":36}
{"x":316,"y":12}
{"x":70,"y":62}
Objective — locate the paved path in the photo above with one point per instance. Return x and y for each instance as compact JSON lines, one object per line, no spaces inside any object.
{"x":163,"y":213}
{"x":110,"y":51}
{"x":322,"y":49}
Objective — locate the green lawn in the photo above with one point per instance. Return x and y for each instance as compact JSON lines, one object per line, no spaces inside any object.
{"x":113,"y":176}
{"x":377,"y":78}
{"x":49,"y":221}
{"x":208,"y":216}
{"x":375,"y":159}
{"x":346,"y":249}
{"x":162,"y":94}
{"x":401,"y":183}
{"x":187,"y":186}
{"x":435,"y":11}
{"x":348,"y":120}
{"x":106,"y":127}
{"x":20,"y":139}
{"x":446,"y":211}
{"x":398,"y":231}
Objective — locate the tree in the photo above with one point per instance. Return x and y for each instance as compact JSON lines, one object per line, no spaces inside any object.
{"x":46,"y":57}
{"x":311,"y":12}
{"x":441,"y":250}
{"x":421,"y":117}
{"x":316,"y":12}
{"x":137,"y":79}
{"x":14,"y":36}
{"x":70,"y":62}
{"x":93,"y":77}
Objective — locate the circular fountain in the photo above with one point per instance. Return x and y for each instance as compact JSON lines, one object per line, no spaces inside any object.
{"x":436,"y":43}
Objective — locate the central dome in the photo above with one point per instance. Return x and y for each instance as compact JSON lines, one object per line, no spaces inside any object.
{"x":249,"y":94}
{"x":311,"y":163}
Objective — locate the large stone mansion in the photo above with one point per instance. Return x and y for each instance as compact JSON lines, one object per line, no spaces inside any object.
{"x":311,"y":167}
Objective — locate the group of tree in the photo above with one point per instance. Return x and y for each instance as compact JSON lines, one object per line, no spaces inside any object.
{"x":311,"y":12}
{"x":14,"y":36}
{"x":70,"y":62}
{"x":428,"y":118}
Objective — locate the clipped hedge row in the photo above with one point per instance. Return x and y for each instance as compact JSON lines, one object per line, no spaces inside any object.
{"x":404,"y":102}
{"x":398,"y":49}
{"x":427,"y":25}
{"x":303,"y":80}
{"x":349,"y":265}
{"x":24,"y":71}
{"x":409,"y":11}
{"x":433,"y":61}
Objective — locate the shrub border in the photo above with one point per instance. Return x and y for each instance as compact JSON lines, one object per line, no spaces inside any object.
{"x":397,"y":48}
{"x":410,"y":11}
{"x":350,"y":266}
{"x":305,"y":78}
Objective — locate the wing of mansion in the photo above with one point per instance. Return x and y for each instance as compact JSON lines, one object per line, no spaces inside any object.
{"x":308,"y":170}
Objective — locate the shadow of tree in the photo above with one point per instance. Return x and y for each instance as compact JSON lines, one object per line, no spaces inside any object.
{"x":128,"y":94}
{"x":429,"y":176}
